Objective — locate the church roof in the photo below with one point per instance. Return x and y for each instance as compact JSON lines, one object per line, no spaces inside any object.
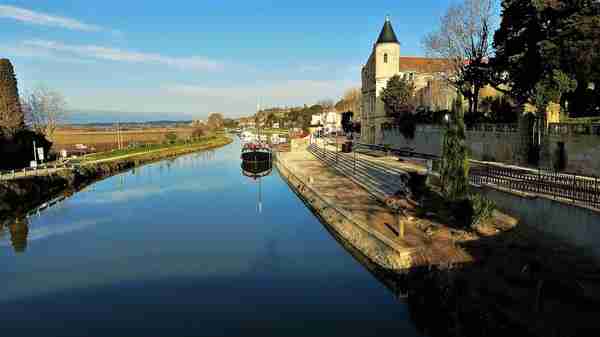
{"x":424,"y":64}
{"x":387,"y":34}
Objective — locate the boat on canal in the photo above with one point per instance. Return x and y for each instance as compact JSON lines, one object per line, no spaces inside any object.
{"x":256,"y":152}
{"x":256,"y":168}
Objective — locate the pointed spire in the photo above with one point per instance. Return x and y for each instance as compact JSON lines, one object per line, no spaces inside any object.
{"x":387,"y":34}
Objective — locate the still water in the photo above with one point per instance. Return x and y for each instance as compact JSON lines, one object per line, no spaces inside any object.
{"x":179,"y":248}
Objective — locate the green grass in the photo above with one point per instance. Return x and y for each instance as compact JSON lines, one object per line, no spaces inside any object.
{"x":151,"y":147}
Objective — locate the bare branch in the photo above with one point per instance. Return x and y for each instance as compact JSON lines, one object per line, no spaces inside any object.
{"x":44,"y":110}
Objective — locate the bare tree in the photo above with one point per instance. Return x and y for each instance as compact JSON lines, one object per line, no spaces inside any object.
{"x":215,"y":121}
{"x":326,"y":104}
{"x":351,"y":101}
{"x":464,"y":39}
{"x":353,"y":98}
{"x":44,"y":110}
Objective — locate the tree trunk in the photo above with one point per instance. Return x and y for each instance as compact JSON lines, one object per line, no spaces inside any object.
{"x":475,"y":98}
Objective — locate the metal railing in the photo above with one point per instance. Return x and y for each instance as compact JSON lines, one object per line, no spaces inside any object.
{"x":403,"y":151}
{"x":499,"y":127}
{"x":574,"y":129}
{"x":569,"y":187}
{"x":32,"y":171}
{"x":557,"y":185}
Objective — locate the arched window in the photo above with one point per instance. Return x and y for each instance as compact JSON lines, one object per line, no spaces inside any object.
{"x":385,"y":58}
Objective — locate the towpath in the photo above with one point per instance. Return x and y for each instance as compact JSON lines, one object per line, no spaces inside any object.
{"x":366,"y":210}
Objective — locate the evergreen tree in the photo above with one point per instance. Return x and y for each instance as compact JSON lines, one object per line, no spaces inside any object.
{"x":396,"y":97}
{"x":455,"y":164}
{"x":545,"y":49}
{"x":11,"y":115}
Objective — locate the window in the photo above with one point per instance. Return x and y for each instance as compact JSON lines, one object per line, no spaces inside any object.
{"x":385,"y":58}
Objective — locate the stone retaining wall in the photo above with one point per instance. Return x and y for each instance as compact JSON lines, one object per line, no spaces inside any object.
{"x":572,"y":223}
{"x":379,"y":251}
{"x":582,"y":152}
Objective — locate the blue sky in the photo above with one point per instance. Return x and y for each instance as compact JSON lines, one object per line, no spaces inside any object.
{"x":183,"y":59}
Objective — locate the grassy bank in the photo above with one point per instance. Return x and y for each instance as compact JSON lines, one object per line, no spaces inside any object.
{"x":103,"y":139}
{"x":19,"y":196}
{"x":148,"y":148}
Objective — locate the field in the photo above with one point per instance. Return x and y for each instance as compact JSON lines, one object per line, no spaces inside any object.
{"x":106,"y":139}
{"x":210,"y":140}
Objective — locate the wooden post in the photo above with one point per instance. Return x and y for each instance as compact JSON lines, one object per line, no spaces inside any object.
{"x":400,"y":225}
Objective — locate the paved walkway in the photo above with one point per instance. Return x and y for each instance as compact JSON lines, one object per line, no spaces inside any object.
{"x":356,"y":203}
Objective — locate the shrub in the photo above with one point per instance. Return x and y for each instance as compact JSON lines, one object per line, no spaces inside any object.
{"x":407,"y":124}
{"x":463,"y":212}
{"x":472,"y":211}
{"x":483,"y":209}
{"x":16,"y":150}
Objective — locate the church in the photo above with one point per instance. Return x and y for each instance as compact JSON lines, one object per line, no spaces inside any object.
{"x":385,"y":61}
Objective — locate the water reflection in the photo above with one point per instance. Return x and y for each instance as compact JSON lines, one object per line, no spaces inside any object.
{"x":256,"y":170}
{"x":19,"y":231}
{"x":185,"y":253}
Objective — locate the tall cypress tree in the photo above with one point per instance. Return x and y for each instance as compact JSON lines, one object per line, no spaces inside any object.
{"x":11,"y":115}
{"x":455,"y":162}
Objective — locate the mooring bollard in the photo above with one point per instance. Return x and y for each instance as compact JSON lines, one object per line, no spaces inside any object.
{"x":400,"y":225}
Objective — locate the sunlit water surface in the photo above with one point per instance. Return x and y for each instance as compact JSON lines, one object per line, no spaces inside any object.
{"x":179,"y":248}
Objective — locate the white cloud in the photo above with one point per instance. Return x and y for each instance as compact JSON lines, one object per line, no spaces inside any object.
{"x":21,"y":50}
{"x":298,"y":91}
{"x":120,"y":55}
{"x":42,"y":19}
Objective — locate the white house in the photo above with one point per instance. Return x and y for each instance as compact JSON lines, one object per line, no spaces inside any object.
{"x":326,"y":122}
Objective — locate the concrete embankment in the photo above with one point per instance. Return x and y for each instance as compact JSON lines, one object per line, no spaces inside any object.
{"x":20,"y":195}
{"x":517,"y":281}
{"x":360,"y":219}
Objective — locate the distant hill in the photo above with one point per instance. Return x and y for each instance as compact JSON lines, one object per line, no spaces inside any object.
{"x":98,"y":117}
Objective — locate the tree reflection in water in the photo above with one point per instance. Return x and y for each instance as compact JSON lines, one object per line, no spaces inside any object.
{"x":19,"y":231}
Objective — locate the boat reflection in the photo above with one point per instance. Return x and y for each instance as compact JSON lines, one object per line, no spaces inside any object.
{"x":256,"y":170}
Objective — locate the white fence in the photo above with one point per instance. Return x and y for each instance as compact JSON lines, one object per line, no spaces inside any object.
{"x":43,"y":169}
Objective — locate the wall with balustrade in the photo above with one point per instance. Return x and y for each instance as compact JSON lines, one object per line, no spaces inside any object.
{"x":501,"y":142}
{"x":504,"y":143}
{"x":581,"y":147}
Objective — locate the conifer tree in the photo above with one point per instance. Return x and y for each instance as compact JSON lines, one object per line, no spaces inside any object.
{"x":455,"y":163}
{"x":11,"y":115}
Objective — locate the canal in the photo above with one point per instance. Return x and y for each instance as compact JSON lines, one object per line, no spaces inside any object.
{"x":182,"y":248}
